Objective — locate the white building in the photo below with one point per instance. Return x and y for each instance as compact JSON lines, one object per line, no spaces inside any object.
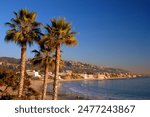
{"x":101,"y":76}
{"x":33,"y":73}
{"x":87,"y":76}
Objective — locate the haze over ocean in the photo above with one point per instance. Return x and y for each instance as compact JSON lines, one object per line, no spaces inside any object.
{"x":113,"y":33}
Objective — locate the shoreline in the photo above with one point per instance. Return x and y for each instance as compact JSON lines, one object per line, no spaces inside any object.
{"x":37,"y":85}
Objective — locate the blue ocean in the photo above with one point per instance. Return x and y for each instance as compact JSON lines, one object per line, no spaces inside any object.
{"x":122,"y":89}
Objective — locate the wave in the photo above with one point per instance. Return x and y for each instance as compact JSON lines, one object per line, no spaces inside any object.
{"x":108,"y":89}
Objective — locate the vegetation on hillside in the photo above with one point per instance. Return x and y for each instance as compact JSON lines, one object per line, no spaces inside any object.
{"x":9,"y":82}
{"x":74,"y":66}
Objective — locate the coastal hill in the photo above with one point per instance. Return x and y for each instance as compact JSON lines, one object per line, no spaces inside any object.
{"x":80,"y":67}
{"x":73,"y":66}
{"x":10,"y":60}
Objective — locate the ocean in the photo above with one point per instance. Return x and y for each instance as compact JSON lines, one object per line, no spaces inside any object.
{"x":122,"y":89}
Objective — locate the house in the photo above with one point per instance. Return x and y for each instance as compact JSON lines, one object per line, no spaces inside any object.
{"x":33,"y":73}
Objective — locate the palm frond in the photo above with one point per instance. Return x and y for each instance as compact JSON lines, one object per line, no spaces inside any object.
{"x":25,"y":28}
{"x":35,"y":51}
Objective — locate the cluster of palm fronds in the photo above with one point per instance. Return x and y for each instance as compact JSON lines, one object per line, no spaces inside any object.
{"x":24,"y":29}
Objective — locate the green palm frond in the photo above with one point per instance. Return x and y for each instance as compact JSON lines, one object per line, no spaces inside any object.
{"x":63,"y":32}
{"x":10,"y":25}
{"x":23,"y":28}
{"x":15,"y":13}
{"x":43,"y":56}
{"x":35,"y":52}
{"x":71,"y":41}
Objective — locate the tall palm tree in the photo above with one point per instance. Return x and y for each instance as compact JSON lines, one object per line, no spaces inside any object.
{"x":44,"y":58}
{"x":23,"y":30}
{"x":63,"y":34}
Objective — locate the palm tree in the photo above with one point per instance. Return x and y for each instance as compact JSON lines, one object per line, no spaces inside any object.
{"x":44,"y":58}
{"x":23,"y":30}
{"x":62,"y":34}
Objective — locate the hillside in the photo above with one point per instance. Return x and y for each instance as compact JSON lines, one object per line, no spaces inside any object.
{"x":75,"y":66}
{"x":10,"y":60}
{"x":79,"y":67}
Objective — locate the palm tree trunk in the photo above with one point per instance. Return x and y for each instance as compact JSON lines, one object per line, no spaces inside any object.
{"x":55,"y":85}
{"x":22,"y":74}
{"x":45,"y":81}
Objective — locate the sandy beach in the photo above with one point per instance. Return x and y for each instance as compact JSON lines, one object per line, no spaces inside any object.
{"x":38,"y":84}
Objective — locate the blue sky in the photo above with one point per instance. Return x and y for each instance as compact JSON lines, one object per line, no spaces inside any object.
{"x":113,"y":33}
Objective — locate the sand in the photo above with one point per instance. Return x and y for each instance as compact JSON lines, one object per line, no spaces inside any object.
{"x":38,"y":84}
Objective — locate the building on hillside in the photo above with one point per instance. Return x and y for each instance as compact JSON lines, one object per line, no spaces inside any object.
{"x":69,"y":72}
{"x":33,"y":73}
{"x":101,"y":76}
{"x":87,"y":76}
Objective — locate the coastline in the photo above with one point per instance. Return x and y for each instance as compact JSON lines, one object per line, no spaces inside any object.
{"x":37,"y":84}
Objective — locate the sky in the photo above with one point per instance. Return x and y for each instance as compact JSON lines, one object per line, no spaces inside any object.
{"x":111,"y":33}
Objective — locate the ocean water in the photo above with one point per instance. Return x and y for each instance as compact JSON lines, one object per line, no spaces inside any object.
{"x":123,"y":89}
